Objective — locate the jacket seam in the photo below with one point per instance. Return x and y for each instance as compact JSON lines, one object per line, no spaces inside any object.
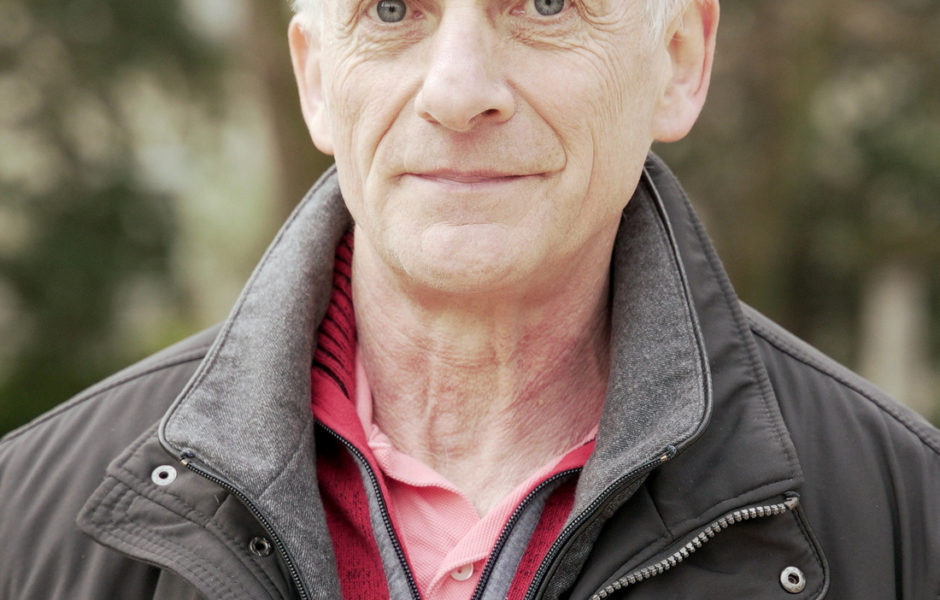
{"x":811,"y":542}
{"x":669,"y":539}
{"x":305,"y":435}
{"x":83,"y":397}
{"x":188,"y":511}
{"x":200,"y":519}
{"x":796,"y":354}
{"x":131,"y":479}
{"x":114,"y":503}
{"x":161,"y":547}
{"x":755,"y":365}
{"x":659,"y":513}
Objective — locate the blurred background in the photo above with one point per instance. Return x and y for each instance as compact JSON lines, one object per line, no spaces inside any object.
{"x":150,"y":150}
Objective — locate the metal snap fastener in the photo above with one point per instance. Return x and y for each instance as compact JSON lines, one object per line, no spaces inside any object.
{"x":793,"y":580}
{"x":260,"y":546}
{"x":163,"y":475}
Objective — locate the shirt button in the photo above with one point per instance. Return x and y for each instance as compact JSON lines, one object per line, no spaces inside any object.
{"x":463,"y":573}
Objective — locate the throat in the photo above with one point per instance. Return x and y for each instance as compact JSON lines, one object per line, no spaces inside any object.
{"x":489,"y":433}
{"x":484,"y":388}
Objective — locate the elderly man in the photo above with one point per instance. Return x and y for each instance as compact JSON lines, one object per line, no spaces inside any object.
{"x":491,"y":355}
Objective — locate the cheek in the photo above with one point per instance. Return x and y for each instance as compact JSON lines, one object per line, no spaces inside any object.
{"x":603,"y":119}
{"x":601,"y":86}
{"x":604,"y":113}
{"x":345,"y":101}
{"x":623,"y":92}
{"x":356,"y":115}
{"x":623,"y":98}
{"x":368,"y":97}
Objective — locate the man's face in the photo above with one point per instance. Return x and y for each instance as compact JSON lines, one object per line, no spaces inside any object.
{"x":484,"y":145}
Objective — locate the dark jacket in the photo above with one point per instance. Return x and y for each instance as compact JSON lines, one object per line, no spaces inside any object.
{"x":732,"y":461}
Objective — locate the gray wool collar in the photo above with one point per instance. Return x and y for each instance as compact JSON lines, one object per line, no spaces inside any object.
{"x":246,"y":412}
{"x":659,"y":392}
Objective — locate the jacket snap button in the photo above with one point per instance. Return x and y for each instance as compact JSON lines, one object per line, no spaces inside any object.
{"x":163,"y":475}
{"x":260,"y":546}
{"x":793,"y":580}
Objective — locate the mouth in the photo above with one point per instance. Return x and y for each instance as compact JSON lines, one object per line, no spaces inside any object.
{"x":474,"y":177}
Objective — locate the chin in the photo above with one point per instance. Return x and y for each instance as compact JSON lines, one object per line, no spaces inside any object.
{"x":462,"y":271}
{"x":461,"y":278}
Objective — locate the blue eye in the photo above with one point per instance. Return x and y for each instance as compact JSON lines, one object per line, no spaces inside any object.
{"x":391,"y":11}
{"x":548,"y":8}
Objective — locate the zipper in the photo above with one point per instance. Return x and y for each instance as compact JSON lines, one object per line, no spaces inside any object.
{"x":383,"y":508}
{"x":507,"y":529}
{"x":187,"y":458}
{"x":699,"y":540}
{"x":586,"y":517}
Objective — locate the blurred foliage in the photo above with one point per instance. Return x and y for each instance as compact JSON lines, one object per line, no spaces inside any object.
{"x":815,"y":163}
{"x":817,"y":159}
{"x":85,"y":222}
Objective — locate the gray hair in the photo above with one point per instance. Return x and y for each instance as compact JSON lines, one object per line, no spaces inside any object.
{"x":658,"y":12}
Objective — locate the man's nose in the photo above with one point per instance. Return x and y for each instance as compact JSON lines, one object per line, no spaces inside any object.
{"x":463,"y":85}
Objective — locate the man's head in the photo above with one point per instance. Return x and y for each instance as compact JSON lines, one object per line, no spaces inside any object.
{"x":490,"y":145}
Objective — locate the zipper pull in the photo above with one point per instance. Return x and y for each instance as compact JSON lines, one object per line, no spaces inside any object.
{"x":668,"y":454}
{"x":186,"y":455}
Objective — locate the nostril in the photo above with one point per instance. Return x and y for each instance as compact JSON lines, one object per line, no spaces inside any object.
{"x":461,"y":103}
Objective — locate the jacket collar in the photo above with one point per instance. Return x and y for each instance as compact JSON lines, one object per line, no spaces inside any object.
{"x":745,"y":454}
{"x":681,"y":352}
{"x":246,"y":412}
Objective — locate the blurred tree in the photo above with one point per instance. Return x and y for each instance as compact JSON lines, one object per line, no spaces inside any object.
{"x":79,"y":222}
{"x":828,"y":120}
{"x":816,"y":165}
{"x":297,"y":161}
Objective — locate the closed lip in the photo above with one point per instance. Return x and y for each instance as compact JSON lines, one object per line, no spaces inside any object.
{"x":469,"y":176}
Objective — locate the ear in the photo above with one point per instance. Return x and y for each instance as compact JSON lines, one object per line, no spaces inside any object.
{"x":305,"y":56}
{"x":691,"y":50}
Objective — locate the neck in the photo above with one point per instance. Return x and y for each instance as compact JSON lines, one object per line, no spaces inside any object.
{"x":484,"y":390}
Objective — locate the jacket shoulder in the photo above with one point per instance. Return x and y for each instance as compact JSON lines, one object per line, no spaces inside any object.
{"x":181,"y":357}
{"x":786,"y":354}
{"x":50,"y":467}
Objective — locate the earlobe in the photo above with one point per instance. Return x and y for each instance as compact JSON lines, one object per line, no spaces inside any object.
{"x":305,"y":57}
{"x":691,"y":51}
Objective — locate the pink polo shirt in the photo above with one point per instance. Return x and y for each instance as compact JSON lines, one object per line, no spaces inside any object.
{"x":447,"y":541}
